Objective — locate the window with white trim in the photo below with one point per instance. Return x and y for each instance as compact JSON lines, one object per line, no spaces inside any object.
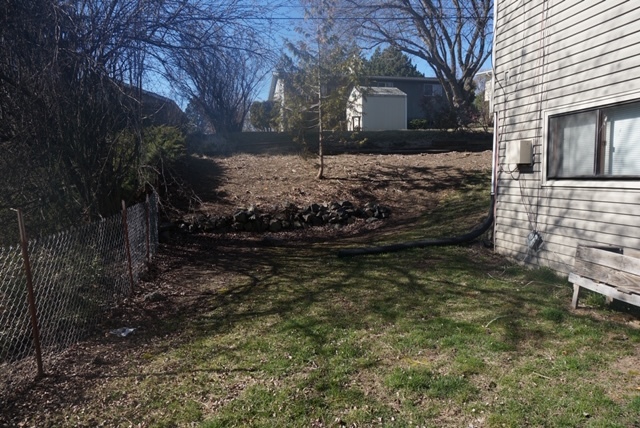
{"x":596,"y":143}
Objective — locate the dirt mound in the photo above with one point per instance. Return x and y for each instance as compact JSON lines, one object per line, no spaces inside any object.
{"x":408,"y":184}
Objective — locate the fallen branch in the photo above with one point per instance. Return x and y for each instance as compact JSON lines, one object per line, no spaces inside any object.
{"x":542,"y":376}
{"x":495,"y":319}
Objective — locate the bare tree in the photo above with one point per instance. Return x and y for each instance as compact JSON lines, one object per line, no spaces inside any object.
{"x":319,"y":74}
{"x":61,"y":113}
{"x":71,"y":74}
{"x":220,"y":62}
{"x":452,"y":36}
{"x":220,"y":84}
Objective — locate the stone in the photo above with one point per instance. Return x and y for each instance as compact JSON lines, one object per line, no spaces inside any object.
{"x":275,"y":226}
{"x":285,"y":216}
{"x":251,"y":226}
{"x":334,"y":219}
{"x":317,"y":220}
{"x":241,"y":216}
{"x":154,"y":296}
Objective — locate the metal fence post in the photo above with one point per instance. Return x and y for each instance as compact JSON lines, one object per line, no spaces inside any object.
{"x":147,"y":211}
{"x":127,"y":245}
{"x":30,"y":294}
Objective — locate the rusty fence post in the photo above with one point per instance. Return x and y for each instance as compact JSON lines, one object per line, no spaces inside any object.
{"x":147,"y":211}
{"x":24,"y":244}
{"x":127,"y":245}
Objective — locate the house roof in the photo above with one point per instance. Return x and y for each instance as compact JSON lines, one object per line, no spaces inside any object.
{"x":404,"y":79}
{"x":275,"y":76}
{"x":488,"y":73}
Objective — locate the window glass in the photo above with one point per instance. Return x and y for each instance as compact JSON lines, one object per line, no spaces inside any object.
{"x":572,"y":145}
{"x":622,"y":140}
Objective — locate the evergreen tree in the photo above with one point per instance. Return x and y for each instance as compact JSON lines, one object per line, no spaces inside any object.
{"x":264,"y":116}
{"x":453,"y":37}
{"x":391,"y":62}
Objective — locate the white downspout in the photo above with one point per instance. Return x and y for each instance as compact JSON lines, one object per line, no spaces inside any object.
{"x":496,"y":148}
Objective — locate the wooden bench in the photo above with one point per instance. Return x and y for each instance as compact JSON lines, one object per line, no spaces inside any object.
{"x":611,"y":271}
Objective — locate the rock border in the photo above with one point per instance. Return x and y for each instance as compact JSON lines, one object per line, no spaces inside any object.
{"x":287,"y":217}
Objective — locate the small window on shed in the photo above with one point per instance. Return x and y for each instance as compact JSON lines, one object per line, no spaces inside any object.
{"x":355,"y":123}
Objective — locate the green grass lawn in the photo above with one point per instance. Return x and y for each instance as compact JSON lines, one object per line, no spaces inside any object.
{"x":438,"y":337}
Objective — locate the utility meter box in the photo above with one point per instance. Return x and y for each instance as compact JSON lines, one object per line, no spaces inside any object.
{"x":520,"y":152}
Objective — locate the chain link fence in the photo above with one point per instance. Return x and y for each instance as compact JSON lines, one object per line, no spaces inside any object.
{"x":77,"y":275}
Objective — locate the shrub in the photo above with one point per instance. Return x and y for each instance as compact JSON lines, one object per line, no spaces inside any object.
{"x":162,"y":146}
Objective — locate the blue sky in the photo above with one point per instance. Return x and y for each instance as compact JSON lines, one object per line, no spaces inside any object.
{"x":287,"y":18}
{"x":296,"y":13}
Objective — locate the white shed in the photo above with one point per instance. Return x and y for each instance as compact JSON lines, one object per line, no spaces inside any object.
{"x":377,"y":109}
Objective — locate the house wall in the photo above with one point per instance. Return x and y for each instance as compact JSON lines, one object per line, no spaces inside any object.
{"x":414,"y":88}
{"x":552,"y":57}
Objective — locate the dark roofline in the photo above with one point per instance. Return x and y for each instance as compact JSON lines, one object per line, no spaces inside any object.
{"x":275,"y":76}
{"x":405,"y":79}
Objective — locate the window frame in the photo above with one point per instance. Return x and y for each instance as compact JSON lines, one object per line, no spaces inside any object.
{"x":590,"y":181}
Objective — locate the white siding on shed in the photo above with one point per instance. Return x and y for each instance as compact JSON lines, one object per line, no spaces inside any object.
{"x":379,"y":109}
{"x":552,"y":57}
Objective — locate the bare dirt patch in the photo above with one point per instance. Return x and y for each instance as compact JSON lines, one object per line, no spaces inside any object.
{"x":408,"y":184}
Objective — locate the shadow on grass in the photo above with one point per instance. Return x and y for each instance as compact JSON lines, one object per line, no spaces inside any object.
{"x":434,"y":179}
{"x":310,"y":284}
{"x":298,"y":297}
{"x":203,"y":175}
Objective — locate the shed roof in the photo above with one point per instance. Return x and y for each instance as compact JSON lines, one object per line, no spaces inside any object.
{"x":381,"y":91}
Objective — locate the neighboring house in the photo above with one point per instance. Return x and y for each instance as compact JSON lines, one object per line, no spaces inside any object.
{"x":567,"y":106}
{"x":376,"y":109}
{"x":486,"y":79}
{"x":417,"y":89}
{"x":158,"y":110}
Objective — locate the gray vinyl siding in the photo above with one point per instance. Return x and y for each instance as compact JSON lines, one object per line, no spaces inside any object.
{"x":551,"y":57}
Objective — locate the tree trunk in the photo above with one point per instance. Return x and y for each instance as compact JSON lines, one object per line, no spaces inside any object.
{"x":320,"y":175}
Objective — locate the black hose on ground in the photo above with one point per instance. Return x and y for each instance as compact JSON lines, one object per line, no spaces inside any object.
{"x":468,"y":237}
